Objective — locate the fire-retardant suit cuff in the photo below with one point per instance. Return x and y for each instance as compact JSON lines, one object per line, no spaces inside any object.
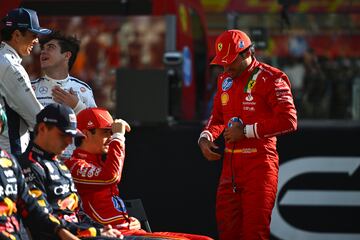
{"x":206,"y":134}
{"x":119,"y":136}
{"x":79,"y":106}
{"x":251,"y":131}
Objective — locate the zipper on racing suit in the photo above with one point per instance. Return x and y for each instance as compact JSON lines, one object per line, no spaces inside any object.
{"x":248,"y":87}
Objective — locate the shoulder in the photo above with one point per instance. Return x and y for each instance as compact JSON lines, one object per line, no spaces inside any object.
{"x":7,"y":58}
{"x":269,"y":71}
{"x":29,"y":162}
{"x":79,"y":83}
{"x":7,"y":160}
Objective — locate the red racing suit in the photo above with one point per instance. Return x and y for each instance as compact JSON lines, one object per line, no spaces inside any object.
{"x":97,"y":180}
{"x":262,"y":99}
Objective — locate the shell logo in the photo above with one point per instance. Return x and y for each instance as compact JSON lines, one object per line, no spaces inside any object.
{"x":224,"y":98}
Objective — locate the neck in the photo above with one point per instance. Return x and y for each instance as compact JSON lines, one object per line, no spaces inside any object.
{"x":41,"y":143}
{"x":57,"y":74}
{"x":85,"y":148}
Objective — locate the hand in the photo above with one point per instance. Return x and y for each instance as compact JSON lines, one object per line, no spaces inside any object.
{"x":108,"y":231}
{"x":66,"y":235}
{"x":64,"y":97}
{"x":134,"y":224}
{"x":120,"y":126}
{"x":234,"y":133}
{"x":206,"y":147}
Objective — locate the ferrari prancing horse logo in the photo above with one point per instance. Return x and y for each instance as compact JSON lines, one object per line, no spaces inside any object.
{"x":219,"y":46}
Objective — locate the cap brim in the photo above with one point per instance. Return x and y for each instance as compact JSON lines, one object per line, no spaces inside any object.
{"x":75,"y":133}
{"x":41,"y":31}
{"x":220,"y":60}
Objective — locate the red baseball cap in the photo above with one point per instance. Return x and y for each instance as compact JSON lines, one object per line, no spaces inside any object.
{"x":228,"y":45}
{"x":92,"y":118}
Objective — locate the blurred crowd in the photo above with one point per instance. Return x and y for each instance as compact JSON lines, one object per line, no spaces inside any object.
{"x":322,"y":86}
{"x":107,"y":43}
{"x":322,"y":74}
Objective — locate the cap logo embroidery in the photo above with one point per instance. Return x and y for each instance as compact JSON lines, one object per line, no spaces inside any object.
{"x":90,"y":123}
{"x":241,"y":44}
{"x":219,"y":46}
{"x":72,"y":117}
{"x":50,"y":120}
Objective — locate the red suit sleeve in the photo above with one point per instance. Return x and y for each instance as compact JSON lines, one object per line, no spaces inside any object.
{"x":104,"y":173}
{"x":215,"y":123}
{"x":283,"y":119}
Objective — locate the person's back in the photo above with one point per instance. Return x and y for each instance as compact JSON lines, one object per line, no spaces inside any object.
{"x":19,"y":35}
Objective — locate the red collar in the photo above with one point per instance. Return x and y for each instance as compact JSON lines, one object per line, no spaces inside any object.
{"x":82,"y":154}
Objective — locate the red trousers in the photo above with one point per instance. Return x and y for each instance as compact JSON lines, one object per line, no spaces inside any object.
{"x":246,"y":213}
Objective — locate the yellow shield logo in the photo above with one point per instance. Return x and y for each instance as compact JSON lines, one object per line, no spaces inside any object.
{"x":219,"y":46}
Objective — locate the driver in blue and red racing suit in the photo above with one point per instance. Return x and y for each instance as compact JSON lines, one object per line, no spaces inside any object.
{"x":253,"y":104}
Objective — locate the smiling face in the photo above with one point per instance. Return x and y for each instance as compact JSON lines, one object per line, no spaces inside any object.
{"x":24,"y":42}
{"x":51,"y":56}
{"x":97,"y":142}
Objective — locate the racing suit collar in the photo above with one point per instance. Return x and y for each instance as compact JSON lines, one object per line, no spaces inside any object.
{"x":248,"y":70}
{"x":13,"y":51}
{"x":42,"y":153}
{"x":82,"y":154}
{"x":58,"y":81}
{"x":252,"y":65}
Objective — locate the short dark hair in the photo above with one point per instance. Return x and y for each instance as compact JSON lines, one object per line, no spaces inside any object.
{"x":48,"y":125}
{"x":67,"y":43}
{"x":6,"y":32}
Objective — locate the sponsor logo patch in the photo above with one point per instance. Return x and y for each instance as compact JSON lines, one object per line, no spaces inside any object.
{"x":227,"y":83}
{"x":224,"y":98}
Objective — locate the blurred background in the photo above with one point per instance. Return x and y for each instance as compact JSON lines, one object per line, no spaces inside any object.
{"x":147,"y":61}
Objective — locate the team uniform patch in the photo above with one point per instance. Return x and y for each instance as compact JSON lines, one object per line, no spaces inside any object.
{"x":224,"y":98}
{"x":227,"y":83}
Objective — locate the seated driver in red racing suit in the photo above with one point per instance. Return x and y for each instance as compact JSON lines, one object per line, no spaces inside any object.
{"x":96,"y":177}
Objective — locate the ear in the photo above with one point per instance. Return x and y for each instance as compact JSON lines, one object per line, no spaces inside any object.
{"x":42,"y":127}
{"x":68,"y":55}
{"x":16,"y":35}
{"x":87,"y":133}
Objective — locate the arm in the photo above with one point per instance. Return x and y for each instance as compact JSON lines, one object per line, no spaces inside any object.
{"x":19,"y":95}
{"x":110,"y":171}
{"x":36,"y":178}
{"x":74,"y":100}
{"x":213,"y":128}
{"x":284,"y":117}
{"x":35,"y":216}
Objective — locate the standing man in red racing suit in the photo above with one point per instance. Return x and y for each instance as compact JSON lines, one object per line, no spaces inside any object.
{"x":96,"y":177}
{"x":253,"y":104}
